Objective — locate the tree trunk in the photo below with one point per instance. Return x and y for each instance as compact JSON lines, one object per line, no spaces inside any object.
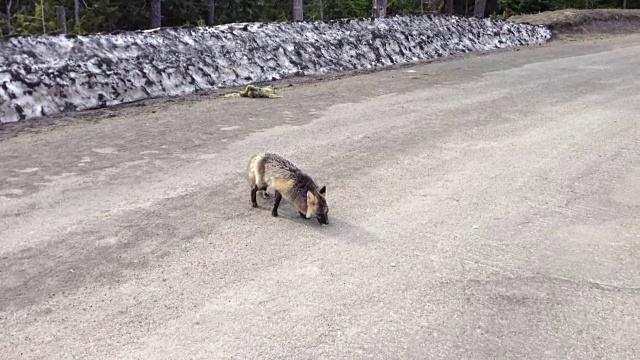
{"x":62,"y":18}
{"x":298,"y":14}
{"x":379,"y":8}
{"x":156,"y":14}
{"x":44,"y":25}
{"x":449,"y":7}
{"x":478,"y":9}
{"x":8,"y":13}
{"x":76,"y":14}
{"x":321,"y":5}
{"x":211,"y":12}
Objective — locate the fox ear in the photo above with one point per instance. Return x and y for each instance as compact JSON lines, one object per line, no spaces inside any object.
{"x":323,"y":191}
{"x":310,"y":196}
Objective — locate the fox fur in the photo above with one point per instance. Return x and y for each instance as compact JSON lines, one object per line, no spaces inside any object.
{"x":267,"y":170}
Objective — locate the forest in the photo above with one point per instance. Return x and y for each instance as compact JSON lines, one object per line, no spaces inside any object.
{"x":91,"y":16}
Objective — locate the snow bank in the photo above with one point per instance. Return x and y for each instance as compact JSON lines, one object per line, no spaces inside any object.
{"x":44,"y":75}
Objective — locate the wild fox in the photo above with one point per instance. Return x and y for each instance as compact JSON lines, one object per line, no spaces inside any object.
{"x":271,"y":170}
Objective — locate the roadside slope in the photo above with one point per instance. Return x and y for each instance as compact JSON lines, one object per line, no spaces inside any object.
{"x":45,"y":75}
{"x":571,"y":22}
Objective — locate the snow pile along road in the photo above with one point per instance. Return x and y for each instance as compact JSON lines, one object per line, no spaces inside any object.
{"x":44,"y":75}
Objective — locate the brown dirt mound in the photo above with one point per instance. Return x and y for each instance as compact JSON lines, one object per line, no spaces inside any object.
{"x":593,"y":21}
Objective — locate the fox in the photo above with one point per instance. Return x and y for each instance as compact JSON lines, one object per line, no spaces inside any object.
{"x":269,"y":170}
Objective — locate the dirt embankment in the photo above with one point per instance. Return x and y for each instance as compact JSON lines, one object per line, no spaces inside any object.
{"x":573,"y":22}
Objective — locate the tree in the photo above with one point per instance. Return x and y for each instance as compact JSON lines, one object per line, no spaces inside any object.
{"x":76,"y":15}
{"x":156,"y":14}
{"x":8,"y":13}
{"x":479,"y":7}
{"x":379,"y":8}
{"x":298,"y":14}
{"x":61,"y":14}
{"x":44,"y":23}
{"x":211,"y":12}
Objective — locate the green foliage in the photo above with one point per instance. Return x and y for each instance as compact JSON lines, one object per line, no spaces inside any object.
{"x":111,"y":15}
{"x":32,"y":21}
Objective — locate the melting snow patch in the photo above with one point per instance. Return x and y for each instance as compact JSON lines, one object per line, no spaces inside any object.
{"x":229,"y":128}
{"x":45,"y":75}
{"x":107,"y":150}
{"x":27,"y":170}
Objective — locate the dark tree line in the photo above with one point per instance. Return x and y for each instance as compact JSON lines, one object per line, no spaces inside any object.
{"x":87,"y":16}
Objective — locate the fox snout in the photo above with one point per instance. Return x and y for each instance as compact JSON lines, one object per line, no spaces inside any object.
{"x":323,"y":219}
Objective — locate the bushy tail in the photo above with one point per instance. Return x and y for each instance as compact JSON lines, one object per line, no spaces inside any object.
{"x":255,"y":176}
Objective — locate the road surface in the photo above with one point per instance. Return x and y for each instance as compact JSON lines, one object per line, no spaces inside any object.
{"x":486,"y":207}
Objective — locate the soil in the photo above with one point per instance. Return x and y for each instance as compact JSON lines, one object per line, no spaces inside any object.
{"x":573,"y":22}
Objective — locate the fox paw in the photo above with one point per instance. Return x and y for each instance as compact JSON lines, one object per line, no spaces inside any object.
{"x":274,"y":213}
{"x":255,"y":204}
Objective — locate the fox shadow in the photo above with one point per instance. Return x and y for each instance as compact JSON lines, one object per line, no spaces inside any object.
{"x":286,"y":210}
{"x":337,"y":228}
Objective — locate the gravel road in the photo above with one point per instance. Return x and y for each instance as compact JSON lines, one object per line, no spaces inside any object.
{"x":485,"y":207}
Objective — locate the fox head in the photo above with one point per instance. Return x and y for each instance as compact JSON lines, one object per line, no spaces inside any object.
{"x":317,"y":205}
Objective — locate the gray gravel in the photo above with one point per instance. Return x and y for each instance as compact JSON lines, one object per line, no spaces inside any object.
{"x":486,"y":207}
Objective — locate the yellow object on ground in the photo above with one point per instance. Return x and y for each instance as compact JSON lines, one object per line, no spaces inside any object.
{"x":252,"y":91}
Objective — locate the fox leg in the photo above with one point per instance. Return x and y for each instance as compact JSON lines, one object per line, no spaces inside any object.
{"x":264,"y":193}
{"x":274,"y":212}
{"x":254,"y":190}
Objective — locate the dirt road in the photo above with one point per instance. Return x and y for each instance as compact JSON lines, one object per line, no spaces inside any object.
{"x":486,"y":207}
